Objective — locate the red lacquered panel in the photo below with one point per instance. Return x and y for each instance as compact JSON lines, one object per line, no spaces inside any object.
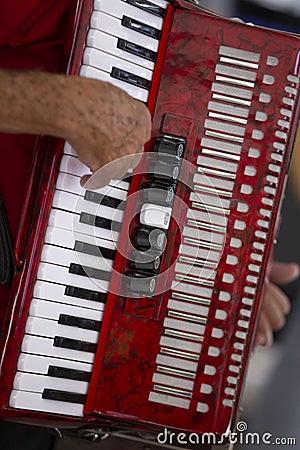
{"x":123,"y":384}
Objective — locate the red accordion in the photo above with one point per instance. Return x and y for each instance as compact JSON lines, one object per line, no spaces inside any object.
{"x":136,"y":303}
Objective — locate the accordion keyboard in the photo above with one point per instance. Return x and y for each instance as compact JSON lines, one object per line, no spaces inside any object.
{"x":69,"y":297}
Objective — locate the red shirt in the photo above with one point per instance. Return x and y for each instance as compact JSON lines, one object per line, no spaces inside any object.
{"x":32,"y":33}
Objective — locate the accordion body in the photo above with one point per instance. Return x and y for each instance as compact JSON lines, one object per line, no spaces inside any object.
{"x":176,"y":327}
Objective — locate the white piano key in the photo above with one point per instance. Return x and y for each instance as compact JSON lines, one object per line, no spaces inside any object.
{"x":82,"y":205}
{"x":69,"y":183}
{"x":69,"y":221}
{"x":33,"y":382}
{"x":156,"y":216}
{"x":134,"y":91}
{"x":107,"y":43}
{"x":104,"y":61}
{"x":41,"y":364}
{"x":112,"y":25}
{"x":52,"y":310}
{"x":60,"y":275}
{"x":55,"y":292}
{"x":69,"y":150}
{"x":64,"y":257}
{"x":66,"y":239}
{"x":38,"y":326}
{"x":72,"y":165}
{"x":163,"y":3}
{"x":118,"y":9}
{"x":34,"y":401}
{"x":38,"y":345}
{"x":70,"y":202}
{"x":119,"y":184}
{"x":111,"y":191}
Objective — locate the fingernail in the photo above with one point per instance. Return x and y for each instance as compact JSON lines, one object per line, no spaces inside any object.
{"x":260,"y":339}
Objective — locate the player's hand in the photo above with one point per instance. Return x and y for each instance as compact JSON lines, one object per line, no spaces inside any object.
{"x":104,"y":123}
{"x":275,"y":304}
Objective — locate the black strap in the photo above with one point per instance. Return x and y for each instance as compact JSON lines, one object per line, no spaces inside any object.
{"x":7,"y":263}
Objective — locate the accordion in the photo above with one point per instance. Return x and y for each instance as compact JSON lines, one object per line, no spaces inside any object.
{"x":136,"y":303}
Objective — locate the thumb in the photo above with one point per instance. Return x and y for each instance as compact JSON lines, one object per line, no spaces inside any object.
{"x":283,"y":273}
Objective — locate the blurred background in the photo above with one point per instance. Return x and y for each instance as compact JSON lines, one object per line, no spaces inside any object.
{"x":271,"y":401}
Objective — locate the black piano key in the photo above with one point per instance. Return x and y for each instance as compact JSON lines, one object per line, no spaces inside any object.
{"x":130,"y":78}
{"x":101,"y":199}
{"x":141,"y":27}
{"x":73,"y":344}
{"x":127,"y":177}
{"x":86,"y":294}
{"x":145,"y":5}
{"x":80,"y":322}
{"x":95,"y":221}
{"x":137,"y":50}
{"x":99,"y":222}
{"x":90,"y":249}
{"x":85,"y":271}
{"x":70,"y":374}
{"x":62,"y":396}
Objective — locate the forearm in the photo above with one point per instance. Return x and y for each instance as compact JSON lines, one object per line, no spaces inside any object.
{"x":32,"y":103}
{"x":101,"y":121}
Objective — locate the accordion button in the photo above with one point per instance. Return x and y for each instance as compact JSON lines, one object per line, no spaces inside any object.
{"x":165,"y":169}
{"x":150,"y":238}
{"x":140,"y":283}
{"x":155,"y":216}
{"x":158,"y":193}
{"x":170,"y":145}
{"x":145,"y":261}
